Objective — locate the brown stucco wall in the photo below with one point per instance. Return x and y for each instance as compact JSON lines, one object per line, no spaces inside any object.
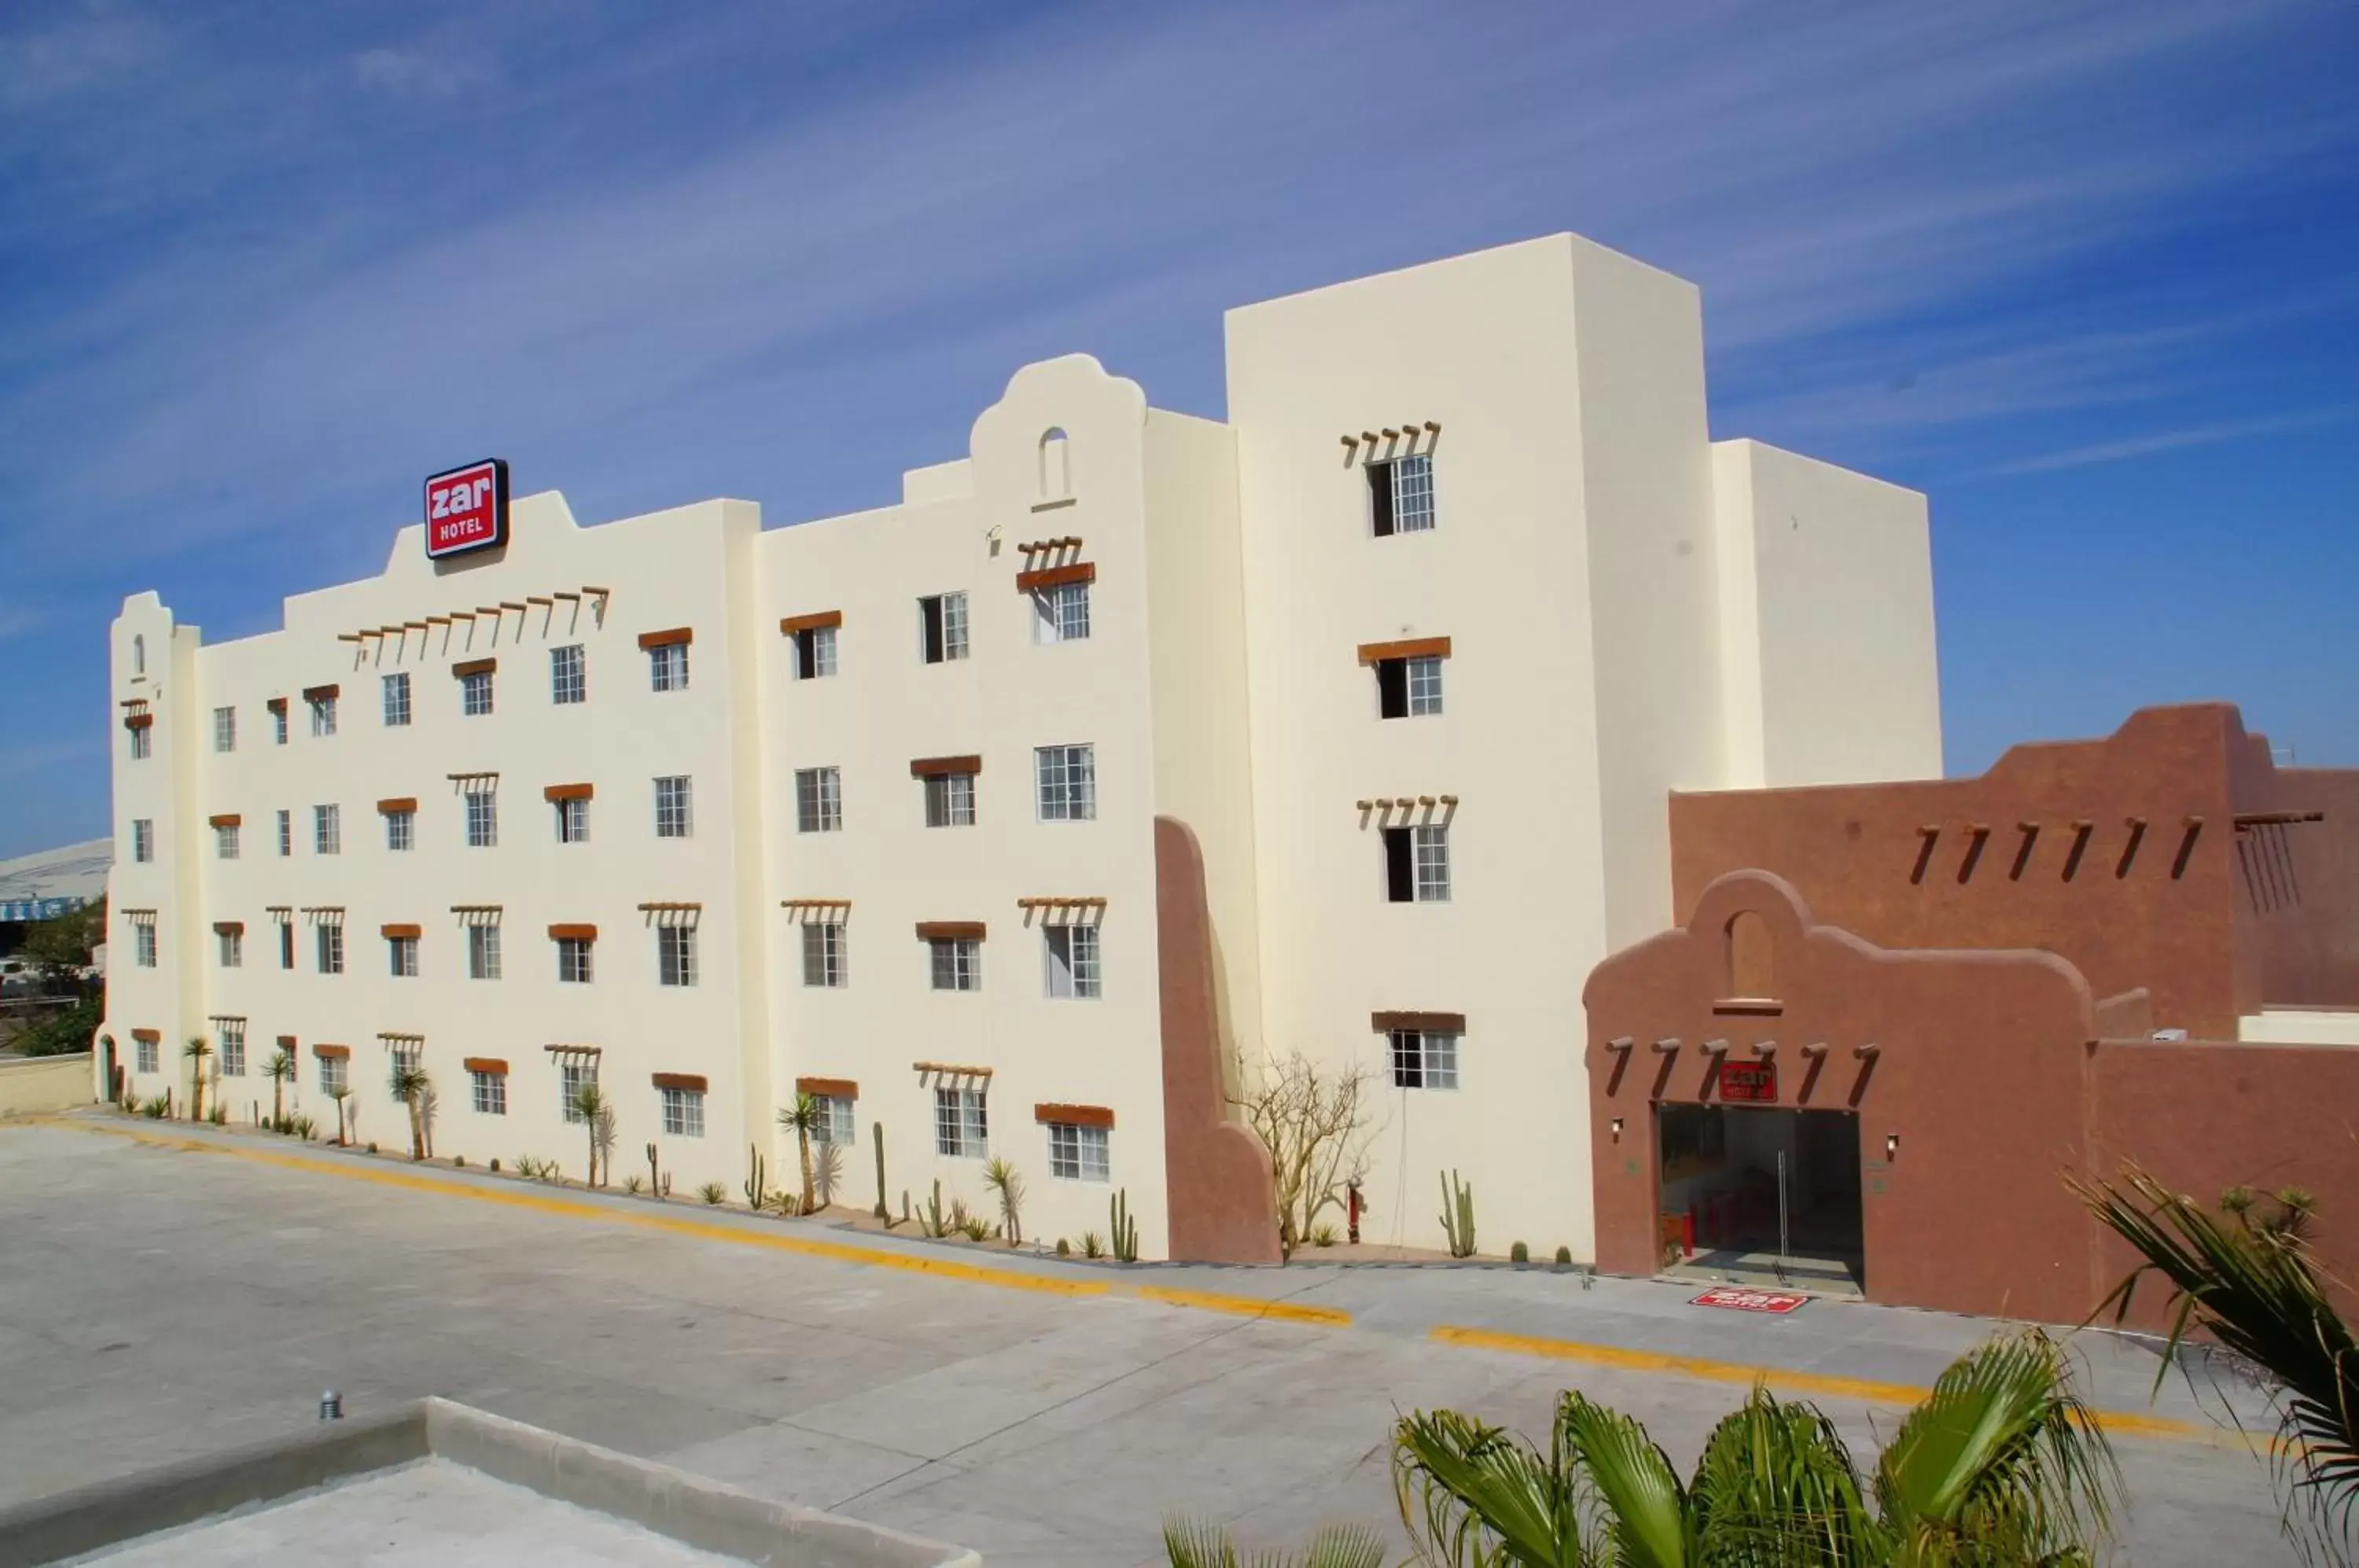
{"x":1217,"y":1175}
{"x":1989,"y":1074}
{"x":2189,"y":911}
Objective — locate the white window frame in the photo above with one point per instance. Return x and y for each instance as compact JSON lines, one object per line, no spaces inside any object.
{"x":570,"y":1078}
{"x":1410,"y":491}
{"x":569,"y":679}
{"x":488,"y":1093}
{"x":323,"y":716}
{"x":230,"y":949}
{"x":278,"y":723}
{"x":955,"y":962}
{"x":1072,"y":963}
{"x":1424,"y":1058}
{"x":1066,"y":781}
{"x":946,"y":640}
{"x":838,"y":1121}
{"x":328,"y":946}
{"x":484,"y":951}
{"x":949,"y":800}
{"x":144,"y":1054}
{"x":683,"y":1112}
{"x":826,"y":955}
{"x":575,"y":963}
{"x":675,"y":956}
{"x":335,"y":1073}
{"x":573,"y":820}
{"x":1078,"y":1153}
{"x":396,"y":695}
{"x":286,"y":833}
{"x":667,"y":666}
{"x":225,"y":836}
{"x":1422,"y":681}
{"x":483,"y":819}
{"x":143,"y":943}
{"x":961,"y":1122}
{"x":400,"y":832}
{"x":476,"y":694}
{"x":327,"y":830}
{"x":1060,"y":614}
{"x":229,"y":1042}
{"x":819,"y":800}
{"x":143,"y":840}
{"x":225,"y":729}
{"x":675,"y":806}
{"x":401,"y":957}
{"x":815,"y":653}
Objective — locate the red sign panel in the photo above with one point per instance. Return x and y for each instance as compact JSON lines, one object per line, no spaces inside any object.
{"x":1748,"y":1081}
{"x":1738,"y":1298}
{"x":467,"y":508}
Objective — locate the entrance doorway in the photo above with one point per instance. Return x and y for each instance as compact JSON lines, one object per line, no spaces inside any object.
{"x":1761,"y":1194}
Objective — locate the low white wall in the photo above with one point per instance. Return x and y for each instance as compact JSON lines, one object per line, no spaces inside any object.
{"x":34,"y":1086}
{"x":2296,"y":1026}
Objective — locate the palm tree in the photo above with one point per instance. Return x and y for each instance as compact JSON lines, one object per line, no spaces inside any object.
{"x":804,"y":1118}
{"x":1187,"y":1544}
{"x":410,"y":1087}
{"x":1002,"y":1177}
{"x":280,"y":1071}
{"x":2001,"y":1464}
{"x":590,"y":1105}
{"x":2247,"y":1277}
{"x":340,"y":1094}
{"x":196,"y":1050}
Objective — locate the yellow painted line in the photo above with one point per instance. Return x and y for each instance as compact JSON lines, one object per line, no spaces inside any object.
{"x":1248,"y":1306}
{"x":2125,"y":1423}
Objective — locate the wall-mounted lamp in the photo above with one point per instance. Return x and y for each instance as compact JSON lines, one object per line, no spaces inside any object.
{"x":1891,"y":1146}
{"x":1617,"y":1129}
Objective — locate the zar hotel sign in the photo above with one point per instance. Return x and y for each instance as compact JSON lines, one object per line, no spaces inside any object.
{"x":467,"y":509}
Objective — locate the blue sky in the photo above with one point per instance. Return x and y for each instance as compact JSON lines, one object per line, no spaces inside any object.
{"x":2085,"y":274}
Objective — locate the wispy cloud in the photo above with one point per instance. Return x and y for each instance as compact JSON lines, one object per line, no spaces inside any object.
{"x":91,"y":46}
{"x":2172,"y":441}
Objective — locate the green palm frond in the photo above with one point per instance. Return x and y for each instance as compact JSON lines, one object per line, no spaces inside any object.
{"x":1623,"y":1475}
{"x":2001,"y":1458}
{"x":1775,"y":1488}
{"x":1189,"y":1543}
{"x":1474,"y":1496}
{"x":803,"y":1117}
{"x":2247,"y":1277}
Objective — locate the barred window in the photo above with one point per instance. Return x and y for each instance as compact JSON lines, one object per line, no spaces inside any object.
{"x":573,"y":960}
{"x":1068,"y":777}
{"x":224,"y":729}
{"x":683,"y":1113}
{"x":962,"y":1129}
{"x":286,"y":833}
{"x":941,"y":628}
{"x":233,"y":948}
{"x":328,"y":937}
{"x":1061,"y":613}
{"x":400,"y":830}
{"x":143,"y":839}
{"x":957,"y":963}
{"x":667,"y":666}
{"x":819,"y":800}
{"x":335,"y":1074}
{"x":1078,"y":1153}
{"x":569,"y":677}
{"x":143,"y":946}
{"x":1400,"y":494}
{"x":949,"y":800}
{"x":231,"y":1035}
{"x":475,"y":693}
{"x":835,"y":1123}
{"x":572,"y":1077}
{"x":144,"y":1052}
{"x":225,"y":840}
{"x":1417,"y":865}
{"x":675,"y":956}
{"x":397,"y":700}
{"x":573,"y":821}
{"x":324,"y":715}
{"x":401,"y":956}
{"x":278,"y":720}
{"x":1409,"y":688}
{"x":483,"y":819}
{"x":1424,"y":1058}
{"x":139,"y":747}
{"x":1072,"y":962}
{"x":814,"y":653}
{"x":823,"y":953}
{"x":673,"y":815}
{"x":490,"y":1092}
{"x":483,"y":953}
{"x":327,"y":830}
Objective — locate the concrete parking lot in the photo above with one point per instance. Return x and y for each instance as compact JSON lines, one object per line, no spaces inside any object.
{"x":166,"y":1292}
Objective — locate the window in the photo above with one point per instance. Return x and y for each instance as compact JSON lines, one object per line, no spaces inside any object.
{"x":334,"y":1078}
{"x":146,"y":1053}
{"x":1401,"y":495}
{"x":231,"y":941}
{"x":224,"y":729}
{"x":278,"y":720}
{"x":483,"y":953}
{"x":225,"y":841}
{"x":401,"y":956}
{"x":573,"y":820}
{"x":286,"y":942}
{"x":490,"y":1092}
{"x":397,"y":700}
{"x":139,"y":655}
{"x":958,"y":964}
{"x":229,"y":1034}
{"x":569,"y":677}
{"x":573,"y":960}
{"x":683,"y":1113}
{"x":572,"y":1077}
{"x":1424,"y":1058}
{"x":483,"y":819}
{"x":328,"y":939}
{"x":949,"y":800}
{"x":819,"y":800}
{"x":139,"y":748}
{"x":1068,"y":783}
{"x":1073,"y":961}
{"x":673,"y":818}
{"x":823,"y":953}
{"x":814,"y":653}
{"x":327,"y":830}
{"x":1417,"y":865}
{"x":667,"y":666}
{"x":1076,"y":1153}
{"x":285,"y":834}
{"x":324,"y":715}
{"x":143,"y":945}
{"x":675,"y":956}
{"x":941,"y":628}
{"x":1409,"y":688}
{"x":400,"y":830}
{"x":1061,"y":613}
{"x":962,"y":1130}
{"x":143,"y":839}
{"x":834,"y":1120}
{"x":475,"y":693}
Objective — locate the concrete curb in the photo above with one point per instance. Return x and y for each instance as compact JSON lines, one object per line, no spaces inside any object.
{"x":698,"y":1513}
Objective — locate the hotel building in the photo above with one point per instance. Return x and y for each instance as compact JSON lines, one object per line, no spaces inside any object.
{"x":1029,"y":816}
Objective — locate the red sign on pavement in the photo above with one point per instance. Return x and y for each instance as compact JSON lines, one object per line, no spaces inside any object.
{"x":1748,"y":1081}
{"x":467,"y":508}
{"x":1741,"y":1300}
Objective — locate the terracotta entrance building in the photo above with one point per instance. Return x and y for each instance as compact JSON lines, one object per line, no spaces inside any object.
{"x":2144,"y":947}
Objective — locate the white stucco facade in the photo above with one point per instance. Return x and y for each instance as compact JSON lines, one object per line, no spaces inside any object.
{"x":1629,"y":608}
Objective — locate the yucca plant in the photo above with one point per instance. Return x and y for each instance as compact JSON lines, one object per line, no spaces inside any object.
{"x":2001,"y":1464}
{"x":598,"y":1118}
{"x":280,"y":1071}
{"x":2245,"y":1277}
{"x":197,"y":1050}
{"x":410,"y":1087}
{"x":1007,"y":1182}
{"x":804,"y":1118}
{"x":1187,"y":1544}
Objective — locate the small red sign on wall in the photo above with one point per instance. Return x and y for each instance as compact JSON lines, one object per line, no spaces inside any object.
{"x":1744,"y":1300}
{"x":1748,"y":1081}
{"x":467,"y":508}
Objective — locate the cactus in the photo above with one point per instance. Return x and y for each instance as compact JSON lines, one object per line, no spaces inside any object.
{"x":1126,"y":1230}
{"x":656,"y":1182}
{"x":755,"y":1188}
{"x":876,"y":1139}
{"x":1458,"y":1215}
{"x":932,"y":1222}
